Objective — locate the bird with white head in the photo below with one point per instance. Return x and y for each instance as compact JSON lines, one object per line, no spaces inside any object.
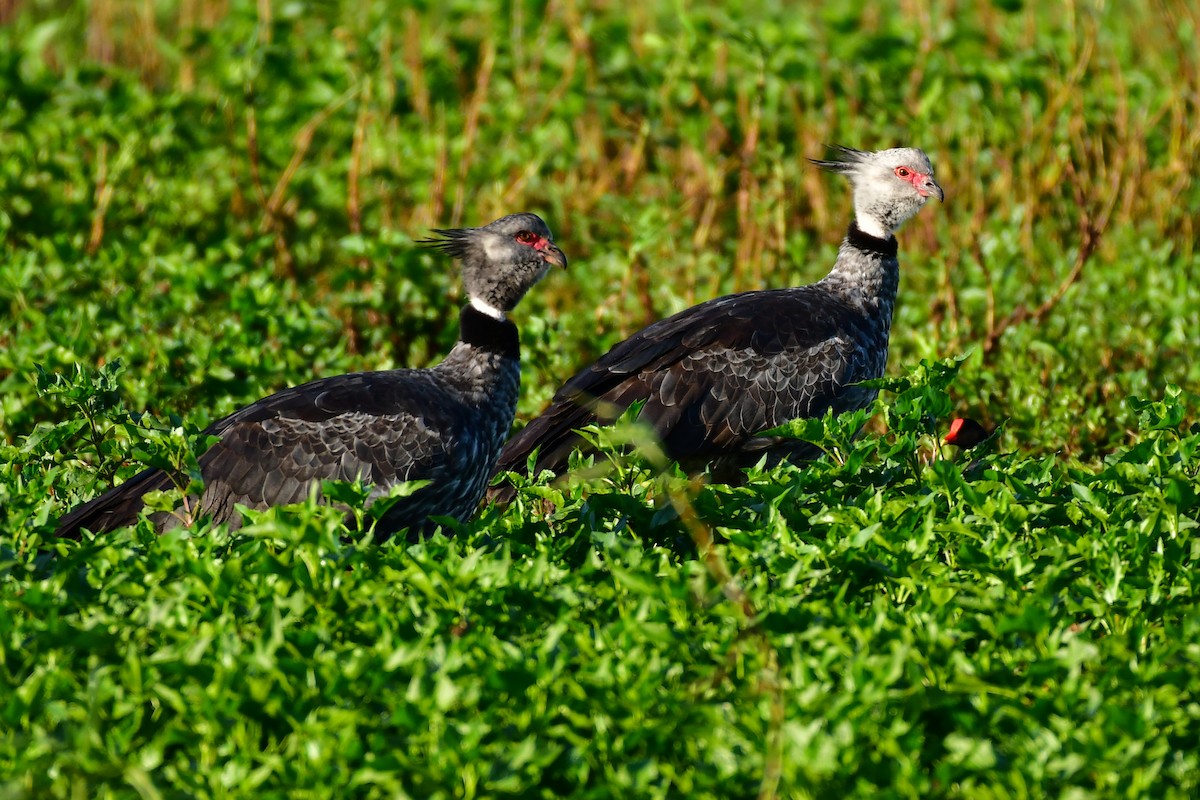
{"x":713,"y":377}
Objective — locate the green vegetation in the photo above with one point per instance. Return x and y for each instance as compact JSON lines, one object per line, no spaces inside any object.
{"x":204,"y":201}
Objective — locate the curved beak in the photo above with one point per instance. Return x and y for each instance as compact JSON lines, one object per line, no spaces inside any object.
{"x":553,"y":256}
{"x":929,"y":186}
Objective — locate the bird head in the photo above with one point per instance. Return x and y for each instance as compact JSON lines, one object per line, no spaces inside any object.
{"x":501,"y":260}
{"x":967,"y":433}
{"x":890,"y":186}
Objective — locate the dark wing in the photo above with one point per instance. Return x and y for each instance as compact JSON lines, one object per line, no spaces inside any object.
{"x":711,"y":376}
{"x":345,"y":428}
{"x":382,"y":426}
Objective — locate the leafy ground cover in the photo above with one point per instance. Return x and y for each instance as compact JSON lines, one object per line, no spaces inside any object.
{"x":203,"y":202}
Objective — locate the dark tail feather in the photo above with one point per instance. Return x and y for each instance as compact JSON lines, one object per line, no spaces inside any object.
{"x":113,"y":509}
{"x":501,"y":494}
{"x":552,"y":434}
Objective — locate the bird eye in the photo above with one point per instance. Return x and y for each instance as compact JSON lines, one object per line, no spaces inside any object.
{"x":903,"y":172}
{"x":526,"y":237}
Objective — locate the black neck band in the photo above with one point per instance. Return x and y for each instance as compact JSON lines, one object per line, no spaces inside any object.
{"x":488,"y":333}
{"x":871,"y":244}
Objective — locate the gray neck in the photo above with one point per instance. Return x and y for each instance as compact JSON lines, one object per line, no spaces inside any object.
{"x":479,"y":375}
{"x":867,"y":272}
{"x":485,"y":365}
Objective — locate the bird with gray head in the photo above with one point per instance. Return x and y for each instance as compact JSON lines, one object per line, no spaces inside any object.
{"x":713,"y":377}
{"x":444,"y":424}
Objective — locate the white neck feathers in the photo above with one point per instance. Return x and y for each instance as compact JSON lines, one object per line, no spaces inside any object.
{"x":871,"y":226}
{"x":484,"y":307}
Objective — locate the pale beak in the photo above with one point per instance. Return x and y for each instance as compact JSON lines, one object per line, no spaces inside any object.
{"x":929,"y":186}
{"x":553,"y":256}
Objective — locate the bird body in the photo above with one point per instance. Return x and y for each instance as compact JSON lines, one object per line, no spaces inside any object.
{"x":444,"y":424}
{"x":714,"y":376}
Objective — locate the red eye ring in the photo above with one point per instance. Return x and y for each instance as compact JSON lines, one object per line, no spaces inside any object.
{"x":903,"y":172}
{"x":526,"y":237}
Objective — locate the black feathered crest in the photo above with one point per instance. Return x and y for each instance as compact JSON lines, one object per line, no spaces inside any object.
{"x":848,"y":159}
{"x":451,"y":241}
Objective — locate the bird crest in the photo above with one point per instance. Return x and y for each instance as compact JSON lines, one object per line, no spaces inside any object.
{"x":454,"y":242}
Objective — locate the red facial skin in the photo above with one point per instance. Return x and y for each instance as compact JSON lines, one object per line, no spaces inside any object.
{"x":917,"y":179}
{"x":548,"y":249}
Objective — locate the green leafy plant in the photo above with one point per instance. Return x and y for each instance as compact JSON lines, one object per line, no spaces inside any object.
{"x":204,"y":202}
